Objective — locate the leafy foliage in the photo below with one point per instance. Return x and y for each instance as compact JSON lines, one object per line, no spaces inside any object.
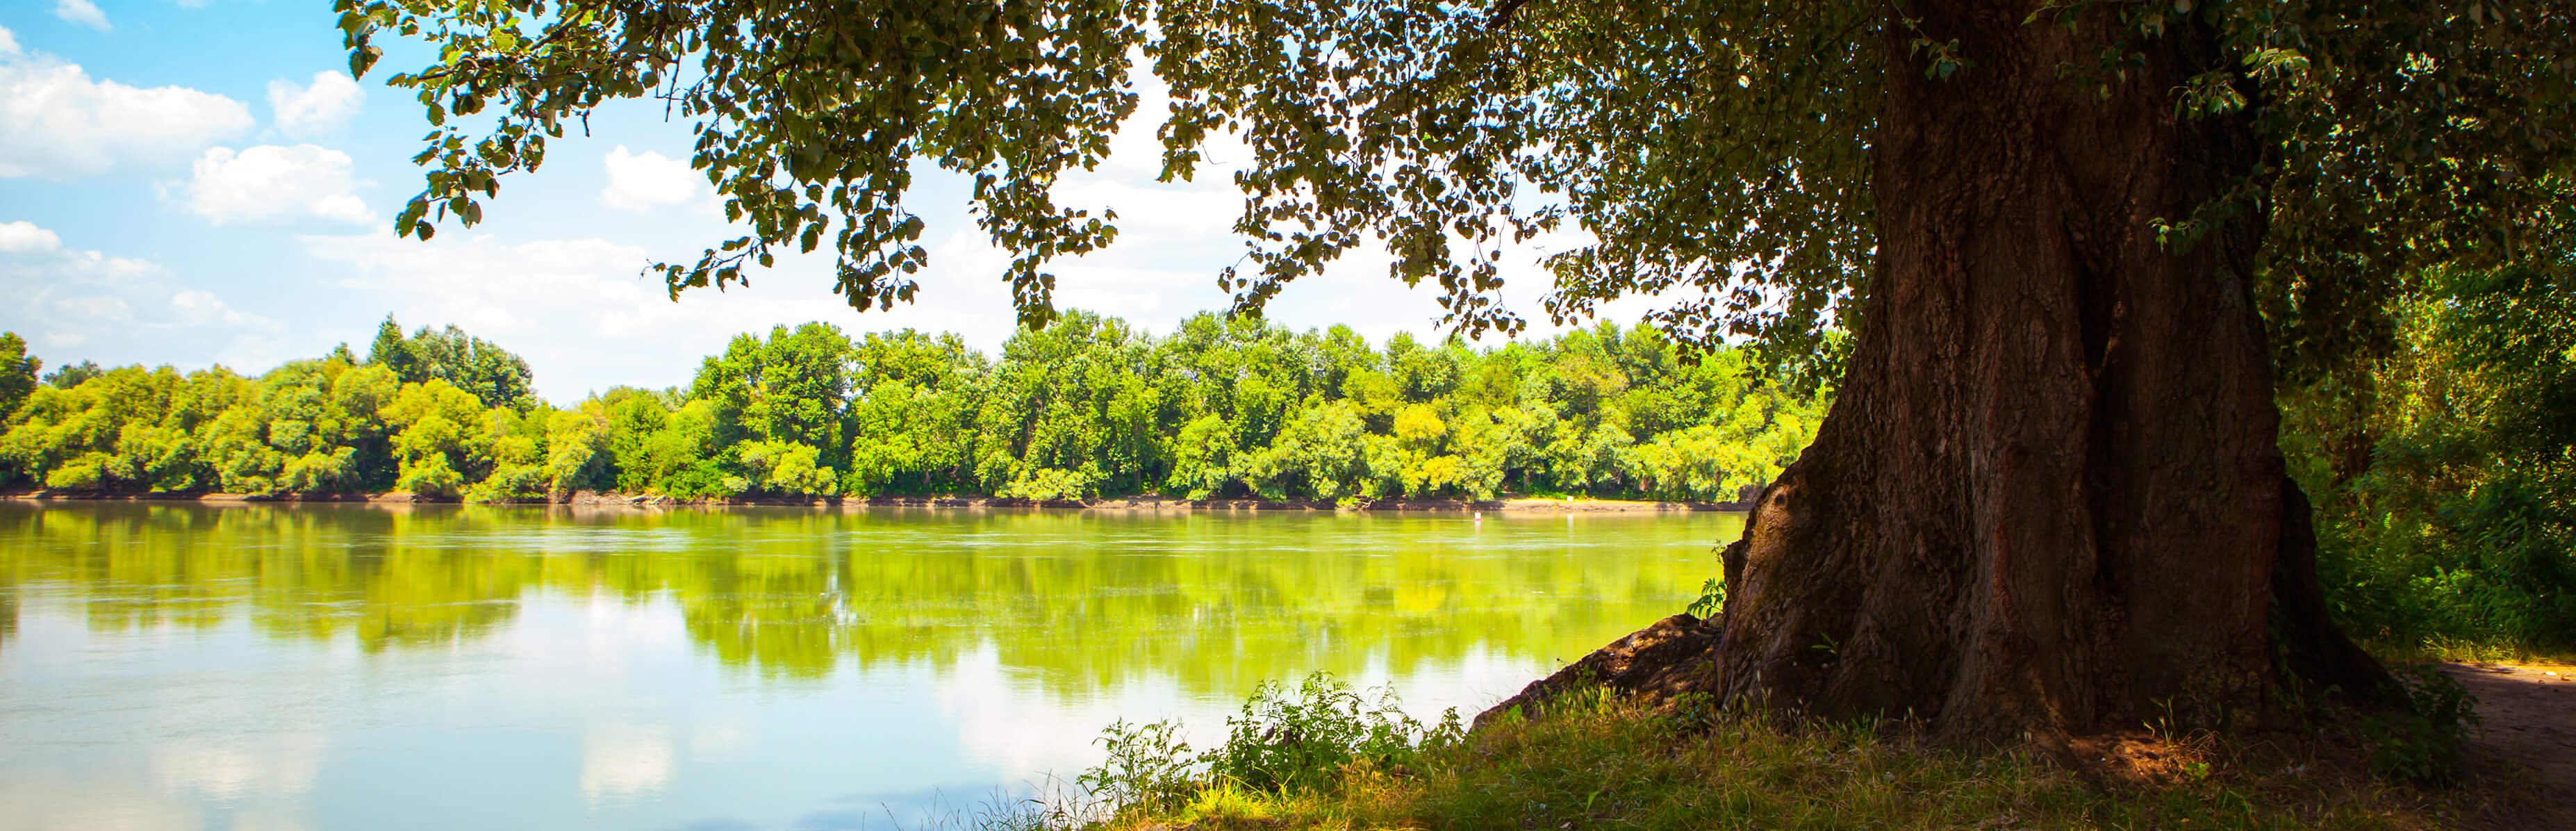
{"x":1711,"y":600}
{"x":1149,"y":768}
{"x":1715,"y":150}
{"x":68,"y":376}
{"x":2444,"y":468}
{"x":2425,"y":739}
{"x":1305,"y":739}
{"x":1219,"y":408}
{"x":808,"y":122}
{"x":17,"y":373}
{"x":1610,"y":761}
{"x":491,"y":374}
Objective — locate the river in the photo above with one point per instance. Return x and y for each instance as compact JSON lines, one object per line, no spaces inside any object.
{"x":185,"y":666}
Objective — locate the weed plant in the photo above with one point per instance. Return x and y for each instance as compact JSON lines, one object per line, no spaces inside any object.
{"x":1286,"y":740}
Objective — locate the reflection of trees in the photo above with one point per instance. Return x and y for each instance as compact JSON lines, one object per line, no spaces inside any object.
{"x":1083,"y":600}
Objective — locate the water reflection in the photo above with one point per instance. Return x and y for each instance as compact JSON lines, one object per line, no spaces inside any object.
{"x":1083,"y":599}
{"x":441,"y":666}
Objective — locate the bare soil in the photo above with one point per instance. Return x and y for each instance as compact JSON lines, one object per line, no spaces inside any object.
{"x":2527,"y":733}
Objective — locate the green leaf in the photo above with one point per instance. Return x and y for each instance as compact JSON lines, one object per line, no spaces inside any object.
{"x":363,"y":58}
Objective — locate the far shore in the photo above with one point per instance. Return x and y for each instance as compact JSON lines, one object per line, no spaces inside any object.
{"x":589,"y":499}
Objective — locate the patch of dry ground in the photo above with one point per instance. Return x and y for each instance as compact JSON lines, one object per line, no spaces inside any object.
{"x":2528,"y":730}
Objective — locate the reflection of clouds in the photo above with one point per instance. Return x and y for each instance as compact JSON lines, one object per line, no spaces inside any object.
{"x":624,"y":762}
{"x":1012,"y":721}
{"x":249,"y":766}
{"x":717,"y":737}
{"x":619,"y":629}
{"x":103,"y":733}
{"x":259,"y":784}
{"x":269,"y":819}
{"x":125,"y":707}
{"x":1478,"y":679}
{"x":1026,"y":729}
{"x":593,"y":645}
{"x":79,"y":802}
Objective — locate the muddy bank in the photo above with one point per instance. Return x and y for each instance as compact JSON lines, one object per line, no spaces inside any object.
{"x":1122,"y":503}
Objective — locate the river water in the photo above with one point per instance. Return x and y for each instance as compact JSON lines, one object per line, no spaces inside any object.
{"x":183,"y":666}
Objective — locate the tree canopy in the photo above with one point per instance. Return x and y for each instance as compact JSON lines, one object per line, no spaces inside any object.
{"x":1718,"y":147}
{"x":1092,"y":406}
{"x":17,"y":372}
{"x":481,"y":369}
{"x":2075,"y":244}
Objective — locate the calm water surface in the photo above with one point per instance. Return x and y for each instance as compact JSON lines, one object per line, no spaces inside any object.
{"x":439,"y":667}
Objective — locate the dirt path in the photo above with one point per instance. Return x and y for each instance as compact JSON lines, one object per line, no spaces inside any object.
{"x":2529,"y":720}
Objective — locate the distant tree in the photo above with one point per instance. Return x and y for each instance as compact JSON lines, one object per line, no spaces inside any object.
{"x":576,"y":447}
{"x":391,"y":352}
{"x":491,"y":374}
{"x":441,"y":438}
{"x":494,"y":376}
{"x":17,"y":373}
{"x":778,"y":406}
{"x":915,"y":397}
{"x":68,"y":376}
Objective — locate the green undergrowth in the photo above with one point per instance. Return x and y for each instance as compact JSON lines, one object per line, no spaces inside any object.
{"x":1321,"y":756}
{"x":2490,"y":650}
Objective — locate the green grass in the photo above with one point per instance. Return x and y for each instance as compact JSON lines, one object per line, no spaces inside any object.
{"x":1608,"y":763}
{"x":2494,"y":649}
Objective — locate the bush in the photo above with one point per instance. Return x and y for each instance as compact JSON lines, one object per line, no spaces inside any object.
{"x":1287,"y":739}
{"x":1301,"y":739}
{"x":2445,"y":483}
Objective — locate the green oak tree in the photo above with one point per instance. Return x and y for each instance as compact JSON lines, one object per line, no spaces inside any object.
{"x":2068,"y":237}
{"x":778,"y":406}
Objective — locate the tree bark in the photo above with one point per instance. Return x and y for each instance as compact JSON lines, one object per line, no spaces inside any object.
{"x":2048,"y":498}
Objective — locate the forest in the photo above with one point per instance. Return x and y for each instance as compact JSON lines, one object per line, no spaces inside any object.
{"x":1090,"y":406}
{"x":2440,"y":468}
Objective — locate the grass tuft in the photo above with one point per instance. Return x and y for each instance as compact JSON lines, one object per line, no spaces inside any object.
{"x":1608,"y":762}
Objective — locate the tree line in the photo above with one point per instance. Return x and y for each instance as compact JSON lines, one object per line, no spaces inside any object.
{"x":1090,"y":406}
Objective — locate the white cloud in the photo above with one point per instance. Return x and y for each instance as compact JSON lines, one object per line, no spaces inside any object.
{"x":82,"y":13}
{"x":644,"y":181}
{"x":203,"y":307}
{"x":132,"y":308}
{"x":57,"y":123}
{"x":316,"y":108}
{"x":625,"y":762}
{"x":1174,"y":238}
{"x":586,"y":318}
{"x":269,"y":184}
{"x":23,"y":237}
{"x":8,"y":43}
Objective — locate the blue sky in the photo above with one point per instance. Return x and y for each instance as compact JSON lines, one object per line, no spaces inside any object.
{"x":195,"y":182}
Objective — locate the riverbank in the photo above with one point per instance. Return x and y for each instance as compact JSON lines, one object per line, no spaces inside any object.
{"x":1598,"y":757}
{"x":1611,"y":762}
{"x":1119,"y":503}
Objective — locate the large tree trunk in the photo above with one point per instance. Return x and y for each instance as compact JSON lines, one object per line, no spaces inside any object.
{"x":2048,"y":497}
